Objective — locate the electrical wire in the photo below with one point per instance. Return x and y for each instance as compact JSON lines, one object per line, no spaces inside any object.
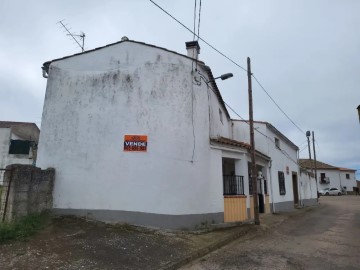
{"x":287,"y":155}
{"x":194,"y":20}
{"x":263,"y":88}
{"x":303,"y":148}
{"x":207,"y":43}
{"x":228,"y":58}
{"x":198,"y":34}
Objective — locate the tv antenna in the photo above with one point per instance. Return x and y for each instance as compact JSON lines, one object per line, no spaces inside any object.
{"x":75,"y":37}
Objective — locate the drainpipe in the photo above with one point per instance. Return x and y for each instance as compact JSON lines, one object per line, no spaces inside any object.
{"x":271,"y":187}
{"x":299,"y":180}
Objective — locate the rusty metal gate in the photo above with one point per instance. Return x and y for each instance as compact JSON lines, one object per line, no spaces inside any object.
{"x":4,"y":192}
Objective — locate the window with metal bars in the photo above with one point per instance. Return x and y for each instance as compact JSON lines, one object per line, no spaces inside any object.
{"x":282,"y":188}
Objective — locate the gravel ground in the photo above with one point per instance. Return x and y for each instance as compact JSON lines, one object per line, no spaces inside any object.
{"x":73,"y":243}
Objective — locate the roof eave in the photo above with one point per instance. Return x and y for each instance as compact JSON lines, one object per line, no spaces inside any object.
{"x":47,"y":64}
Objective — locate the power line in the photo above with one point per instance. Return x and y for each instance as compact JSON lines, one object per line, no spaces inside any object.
{"x":228,"y":58}
{"x":281,"y":150}
{"x":198,"y":34}
{"x":207,"y":43}
{"x":263,"y":88}
{"x":194,"y":20}
{"x":305,"y":147}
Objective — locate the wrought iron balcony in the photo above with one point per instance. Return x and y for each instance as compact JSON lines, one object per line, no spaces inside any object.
{"x":324,"y":180}
{"x":233,"y":184}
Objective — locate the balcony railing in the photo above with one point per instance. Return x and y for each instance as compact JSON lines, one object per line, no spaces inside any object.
{"x":324,"y":180}
{"x":233,"y":184}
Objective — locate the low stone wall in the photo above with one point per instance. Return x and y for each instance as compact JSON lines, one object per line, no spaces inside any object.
{"x":26,"y":190}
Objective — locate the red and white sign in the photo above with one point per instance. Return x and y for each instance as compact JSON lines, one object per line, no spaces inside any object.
{"x":135,"y":143}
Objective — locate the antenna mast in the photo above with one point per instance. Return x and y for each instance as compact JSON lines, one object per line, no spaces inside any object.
{"x":81,"y":36}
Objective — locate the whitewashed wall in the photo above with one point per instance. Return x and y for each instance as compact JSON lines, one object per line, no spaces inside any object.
{"x":264,"y":142}
{"x":94,"y":99}
{"x":348,"y":183}
{"x":337,"y":179}
{"x":308,"y":189}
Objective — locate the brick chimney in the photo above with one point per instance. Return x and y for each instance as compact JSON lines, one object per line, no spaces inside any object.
{"x":193,"y":49}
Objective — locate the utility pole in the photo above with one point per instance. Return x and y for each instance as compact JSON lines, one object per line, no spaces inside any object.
{"x":313,"y":138}
{"x":252,"y":143}
{"x":308,"y":140}
{"x":308,"y":134}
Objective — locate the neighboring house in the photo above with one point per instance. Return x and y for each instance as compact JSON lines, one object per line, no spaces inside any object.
{"x":329,"y":176}
{"x":18,"y":143}
{"x":288,"y":186}
{"x":140,"y":134}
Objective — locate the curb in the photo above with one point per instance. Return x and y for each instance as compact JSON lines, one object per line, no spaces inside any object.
{"x":204,"y":251}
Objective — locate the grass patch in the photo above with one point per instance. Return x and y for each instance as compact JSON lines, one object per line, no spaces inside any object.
{"x":24,"y":227}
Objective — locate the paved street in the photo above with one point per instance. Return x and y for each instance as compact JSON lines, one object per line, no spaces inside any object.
{"x":325,"y":237}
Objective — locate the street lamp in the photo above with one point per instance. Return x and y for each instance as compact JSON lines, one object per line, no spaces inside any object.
{"x":308,"y":140}
{"x":358,"y":108}
{"x":226,"y":76}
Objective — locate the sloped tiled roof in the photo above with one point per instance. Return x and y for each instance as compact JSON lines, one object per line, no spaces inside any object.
{"x":275,"y":130}
{"x":228,"y":141}
{"x":347,"y":170}
{"x":9,"y":124}
{"x":307,"y":163}
{"x":47,"y":64}
{"x":231,"y":142}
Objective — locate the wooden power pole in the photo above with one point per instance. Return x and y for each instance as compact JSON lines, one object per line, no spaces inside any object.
{"x":252,"y":143}
{"x":315,"y":165}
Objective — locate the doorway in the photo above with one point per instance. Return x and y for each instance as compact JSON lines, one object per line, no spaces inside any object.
{"x":295,"y":188}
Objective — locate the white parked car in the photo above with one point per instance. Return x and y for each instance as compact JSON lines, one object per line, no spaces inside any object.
{"x":330,"y":191}
{"x":323,"y":191}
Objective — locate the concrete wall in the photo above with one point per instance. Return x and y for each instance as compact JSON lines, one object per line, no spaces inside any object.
{"x":26,"y":190}
{"x":5,"y":158}
{"x":94,"y":99}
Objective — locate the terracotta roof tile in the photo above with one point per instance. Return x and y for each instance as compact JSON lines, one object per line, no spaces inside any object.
{"x":227,"y":141}
{"x":9,"y":124}
{"x":307,"y":163}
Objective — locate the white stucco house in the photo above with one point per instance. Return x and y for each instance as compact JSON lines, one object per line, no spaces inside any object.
{"x":330,"y":176}
{"x":288,"y":186}
{"x":132,"y":131}
{"x":18,"y":144}
{"x":140,"y":134}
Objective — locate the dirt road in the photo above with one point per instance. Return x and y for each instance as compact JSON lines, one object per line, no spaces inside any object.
{"x":327,"y":237}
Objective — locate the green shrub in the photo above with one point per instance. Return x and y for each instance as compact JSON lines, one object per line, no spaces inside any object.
{"x":24,"y":227}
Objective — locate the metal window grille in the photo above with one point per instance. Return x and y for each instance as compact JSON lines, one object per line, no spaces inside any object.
{"x":233,"y":184}
{"x":282,"y":188}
